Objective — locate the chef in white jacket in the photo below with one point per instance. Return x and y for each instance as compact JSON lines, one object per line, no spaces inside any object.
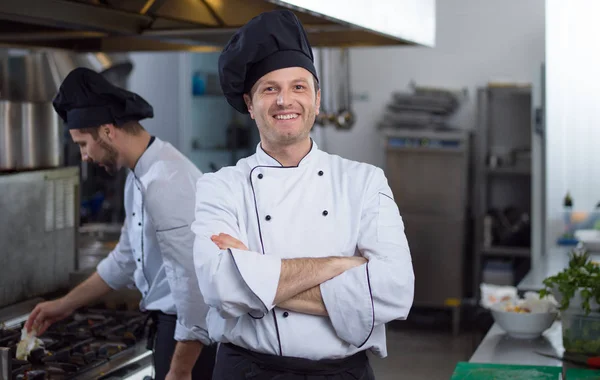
{"x":300,"y":254}
{"x":154,"y":252}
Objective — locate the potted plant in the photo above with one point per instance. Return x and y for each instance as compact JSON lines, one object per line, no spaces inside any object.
{"x":577,"y":287}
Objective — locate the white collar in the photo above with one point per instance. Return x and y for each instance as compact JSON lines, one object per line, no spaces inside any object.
{"x":264,"y":159}
{"x":148,"y":157}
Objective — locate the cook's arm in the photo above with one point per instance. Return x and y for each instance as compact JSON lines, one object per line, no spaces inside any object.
{"x":308,"y":302}
{"x":236,"y":281}
{"x":117,"y":269}
{"x":170,"y":202}
{"x":381,"y":290}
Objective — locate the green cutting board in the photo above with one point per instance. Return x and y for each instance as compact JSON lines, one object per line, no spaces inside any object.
{"x":478,"y":371}
{"x":582,"y":374}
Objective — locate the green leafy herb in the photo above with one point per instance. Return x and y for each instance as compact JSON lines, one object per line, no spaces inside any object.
{"x":581,"y":275}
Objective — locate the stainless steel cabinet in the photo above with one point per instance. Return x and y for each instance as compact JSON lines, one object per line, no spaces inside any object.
{"x":428,"y":172}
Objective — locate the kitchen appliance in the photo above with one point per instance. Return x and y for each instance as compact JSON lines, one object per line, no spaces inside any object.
{"x":428,"y":172}
{"x":94,"y":343}
{"x":38,"y":231}
{"x":41,"y":136}
{"x":30,"y":136}
{"x":10,"y":135}
{"x":35,"y":75}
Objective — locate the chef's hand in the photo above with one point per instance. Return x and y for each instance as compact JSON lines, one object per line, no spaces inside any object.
{"x":224,"y":241}
{"x":47,"y":313}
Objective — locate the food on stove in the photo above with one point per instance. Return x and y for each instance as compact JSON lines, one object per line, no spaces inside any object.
{"x":28,"y":343}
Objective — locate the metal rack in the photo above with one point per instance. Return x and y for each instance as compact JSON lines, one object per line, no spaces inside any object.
{"x":503,"y":180}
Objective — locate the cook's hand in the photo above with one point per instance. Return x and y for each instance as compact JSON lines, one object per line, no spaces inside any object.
{"x":47,"y":313}
{"x":172,"y":375}
{"x":224,"y":241}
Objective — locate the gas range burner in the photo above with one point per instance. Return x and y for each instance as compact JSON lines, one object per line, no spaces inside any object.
{"x":86,"y":340}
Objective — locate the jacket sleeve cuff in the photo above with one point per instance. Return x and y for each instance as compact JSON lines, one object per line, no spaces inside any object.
{"x":349,"y":303}
{"x":183,"y":333}
{"x":260,"y":273}
{"x":112,"y":274}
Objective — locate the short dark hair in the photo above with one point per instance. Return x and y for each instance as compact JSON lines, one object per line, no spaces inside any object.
{"x":130,"y":127}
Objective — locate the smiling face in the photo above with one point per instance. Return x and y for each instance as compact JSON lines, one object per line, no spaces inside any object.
{"x":284,"y":104}
{"x":94,"y":148}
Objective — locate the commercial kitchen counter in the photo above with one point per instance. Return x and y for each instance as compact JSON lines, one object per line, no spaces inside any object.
{"x":497,"y":347}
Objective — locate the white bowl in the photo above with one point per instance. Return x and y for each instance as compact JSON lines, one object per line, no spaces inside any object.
{"x":523,"y":325}
{"x":590,"y":239}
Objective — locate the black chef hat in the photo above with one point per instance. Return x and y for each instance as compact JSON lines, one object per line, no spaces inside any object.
{"x":86,"y":99}
{"x":270,"y":41}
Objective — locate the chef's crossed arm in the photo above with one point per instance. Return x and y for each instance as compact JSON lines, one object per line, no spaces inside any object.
{"x":364,"y":297}
{"x":238,"y":281}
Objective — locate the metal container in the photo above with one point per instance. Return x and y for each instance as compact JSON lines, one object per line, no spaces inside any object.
{"x":10,"y":135}
{"x":29,"y":77}
{"x":5,"y":364}
{"x":40,"y":136}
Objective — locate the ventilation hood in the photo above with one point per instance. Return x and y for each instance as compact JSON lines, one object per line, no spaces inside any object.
{"x":206,"y":25}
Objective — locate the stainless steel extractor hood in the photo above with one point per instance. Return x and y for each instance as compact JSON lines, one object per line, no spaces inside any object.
{"x":205,"y":25}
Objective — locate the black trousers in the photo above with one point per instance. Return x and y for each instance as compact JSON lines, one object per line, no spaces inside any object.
{"x":162,"y":343}
{"x":236,"y":363}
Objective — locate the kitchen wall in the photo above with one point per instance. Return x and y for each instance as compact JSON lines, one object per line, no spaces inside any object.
{"x":156,"y":78}
{"x":572,"y":81}
{"x":476,"y":41}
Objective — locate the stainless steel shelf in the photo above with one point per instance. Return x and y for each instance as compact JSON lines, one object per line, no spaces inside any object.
{"x":506,"y":251}
{"x":504,"y":126}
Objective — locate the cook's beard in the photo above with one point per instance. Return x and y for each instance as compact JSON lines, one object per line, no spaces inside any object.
{"x":109,"y":161}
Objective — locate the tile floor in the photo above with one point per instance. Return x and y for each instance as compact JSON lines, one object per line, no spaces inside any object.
{"x":421,"y":353}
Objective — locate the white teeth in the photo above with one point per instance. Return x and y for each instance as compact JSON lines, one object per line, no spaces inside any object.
{"x":286,"y":117}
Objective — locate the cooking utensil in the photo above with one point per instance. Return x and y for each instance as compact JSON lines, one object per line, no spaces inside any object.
{"x":590,"y":361}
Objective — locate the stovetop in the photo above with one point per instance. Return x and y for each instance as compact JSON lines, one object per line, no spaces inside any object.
{"x":90,"y":341}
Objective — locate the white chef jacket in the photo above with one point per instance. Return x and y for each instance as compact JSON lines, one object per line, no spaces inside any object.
{"x":155,"y":248}
{"x":326,"y":206}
